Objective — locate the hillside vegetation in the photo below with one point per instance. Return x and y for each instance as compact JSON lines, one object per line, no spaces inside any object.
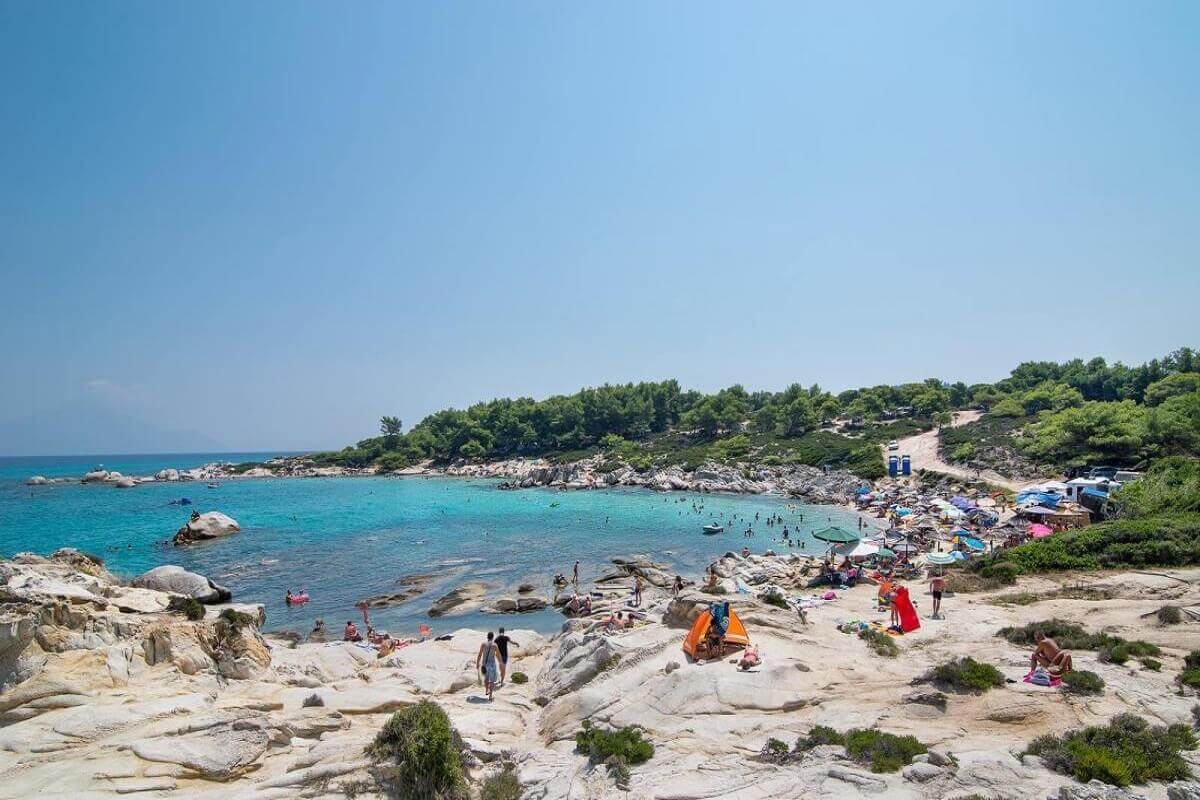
{"x":1067,"y":414}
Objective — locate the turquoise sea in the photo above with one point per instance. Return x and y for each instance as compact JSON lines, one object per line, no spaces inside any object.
{"x":344,"y":539}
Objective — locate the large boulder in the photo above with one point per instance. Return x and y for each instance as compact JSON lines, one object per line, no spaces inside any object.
{"x":168,"y":474}
{"x":96,"y":476}
{"x":177,"y":580}
{"x":580,"y":657}
{"x":209,"y":525}
{"x":36,"y":480}
{"x":464,"y":598}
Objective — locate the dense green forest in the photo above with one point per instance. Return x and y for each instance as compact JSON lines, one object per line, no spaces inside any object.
{"x":1069,"y":413}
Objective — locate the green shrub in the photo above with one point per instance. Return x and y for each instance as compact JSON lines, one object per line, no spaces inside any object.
{"x":1002,"y":572}
{"x":1081,"y":681}
{"x":820,"y":735}
{"x":968,"y":675}
{"x":502,"y":785}
{"x":1169,"y":539}
{"x":419,"y":754}
{"x":236,"y":620}
{"x":775,"y":751}
{"x":190,"y":607}
{"x":1170,"y":615}
{"x":883,"y":752}
{"x":964,"y":452}
{"x":1152,"y":664}
{"x":313,"y":700}
{"x":774,"y":599}
{"x":1192,"y":660}
{"x":880,"y":642}
{"x":1190,"y":678}
{"x":1126,"y":750}
{"x":519,"y":678}
{"x":600,"y":744}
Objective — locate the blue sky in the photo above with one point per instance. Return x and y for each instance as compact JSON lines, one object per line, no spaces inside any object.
{"x":264,"y":225}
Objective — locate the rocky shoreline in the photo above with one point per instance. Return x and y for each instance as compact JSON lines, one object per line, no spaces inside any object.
{"x":109,"y":689}
{"x":811,"y":484}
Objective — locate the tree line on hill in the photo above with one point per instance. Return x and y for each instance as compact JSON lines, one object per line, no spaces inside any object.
{"x":1076,"y":411}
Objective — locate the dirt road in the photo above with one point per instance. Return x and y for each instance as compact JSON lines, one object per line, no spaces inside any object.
{"x":922,"y":449}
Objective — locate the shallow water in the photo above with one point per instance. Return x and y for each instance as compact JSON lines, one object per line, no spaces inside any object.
{"x":344,"y":539}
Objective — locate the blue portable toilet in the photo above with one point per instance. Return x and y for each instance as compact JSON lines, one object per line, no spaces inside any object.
{"x":893,"y":465}
{"x":905,"y":465}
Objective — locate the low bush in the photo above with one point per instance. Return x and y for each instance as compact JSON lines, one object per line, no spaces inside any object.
{"x":1003,"y":573}
{"x":313,"y":700}
{"x":1161,"y":540}
{"x":618,"y":770}
{"x":819,"y":735}
{"x":775,"y":751}
{"x":1069,"y":636}
{"x":1081,"y":681}
{"x":882,"y":752}
{"x":626,"y":742}
{"x":1152,"y":664}
{"x":236,"y":620}
{"x":880,"y":642}
{"x":1170,"y":615}
{"x":502,"y":785}
{"x":968,"y":675}
{"x":192,"y":608}
{"x":519,"y":678}
{"x":1126,"y":750}
{"x":1190,"y":678}
{"x":774,"y":599}
{"x":418,"y":753}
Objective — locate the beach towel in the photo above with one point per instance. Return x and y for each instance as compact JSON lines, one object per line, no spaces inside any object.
{"x":1039,"y":677}
{"x":909,"y":621}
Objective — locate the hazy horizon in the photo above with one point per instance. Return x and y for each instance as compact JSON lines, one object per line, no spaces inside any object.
{"x":263,"y":227}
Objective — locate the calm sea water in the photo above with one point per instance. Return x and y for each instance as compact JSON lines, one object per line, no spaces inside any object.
{"x":344,"y":539}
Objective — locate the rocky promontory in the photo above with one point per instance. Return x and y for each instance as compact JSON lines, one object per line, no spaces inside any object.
{"x":106,"y":691}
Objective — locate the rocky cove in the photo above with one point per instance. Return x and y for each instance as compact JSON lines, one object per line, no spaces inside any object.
{"x":811,"y":484}
{"x":106,"y":690}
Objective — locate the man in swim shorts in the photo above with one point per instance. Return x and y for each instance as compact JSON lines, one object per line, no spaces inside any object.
{"x":937,"y":585}
{"x":502,"y":643}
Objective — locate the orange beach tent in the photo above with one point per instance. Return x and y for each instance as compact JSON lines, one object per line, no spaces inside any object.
{"x":735,"y":635}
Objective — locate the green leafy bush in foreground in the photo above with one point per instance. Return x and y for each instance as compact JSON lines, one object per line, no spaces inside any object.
{"x":880,"y":642}
{"x":519,"y":678}
{"x":1126,"y":750}
{"x":968,"y":675}
{"x":626,"y":743}
{"x":192,"y":608}
{"x":1190,"y":676}
{"x":502,"y":785}
{"x":418,"y":754}
{"x":883,"y":752}
{"x":1082,"y":681}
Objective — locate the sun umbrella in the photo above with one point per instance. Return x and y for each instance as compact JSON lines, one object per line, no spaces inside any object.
{"x":906,"y":547}
{"x":940,"y":558}
{"x":856,"y":549}
{"x":883,"y":552}
{"x":836,"y":536}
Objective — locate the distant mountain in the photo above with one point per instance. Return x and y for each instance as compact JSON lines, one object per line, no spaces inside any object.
{"x":89,"y":425}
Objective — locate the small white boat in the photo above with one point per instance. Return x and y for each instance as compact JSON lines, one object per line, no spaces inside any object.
{"x":214,"y":486}
{"x":709,"y":530}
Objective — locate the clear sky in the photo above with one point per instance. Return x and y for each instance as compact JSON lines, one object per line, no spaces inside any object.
{"x":263,"y":225}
